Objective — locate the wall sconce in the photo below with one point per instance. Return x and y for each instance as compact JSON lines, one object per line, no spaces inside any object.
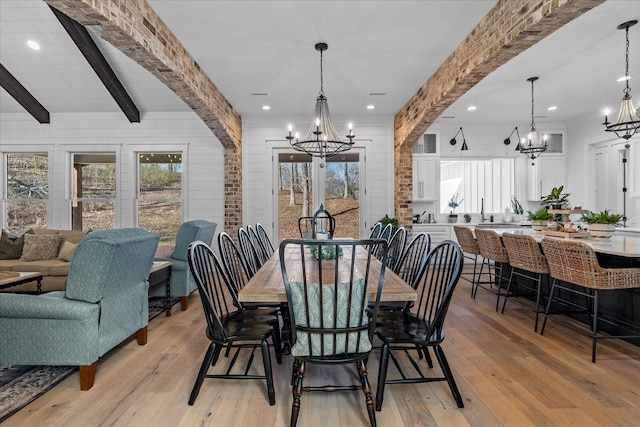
{"x":453,"y":140}
{"x":507,"y":140}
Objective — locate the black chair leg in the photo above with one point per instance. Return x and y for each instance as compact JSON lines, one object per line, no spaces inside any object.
{"x":504,"y":303}
{"x":449,"y":376}
{"x":382,"y":375}
{"x":294,"y":371}
{"x":206,"y":362}
{"x":277,"y":341}
{"x":266,"y":360}
{"x":366,"y":388}
{"x":546,"y":311}
{"x":297,"y":392}
{"x":595,"y":325}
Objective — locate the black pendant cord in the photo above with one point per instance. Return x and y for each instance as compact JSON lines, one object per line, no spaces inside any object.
{"x":624,"y":185}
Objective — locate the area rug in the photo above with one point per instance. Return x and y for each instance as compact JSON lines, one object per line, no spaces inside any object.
{"x":21,"y":385}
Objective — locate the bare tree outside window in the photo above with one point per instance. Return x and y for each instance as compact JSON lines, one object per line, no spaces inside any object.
{"x":27,"y":190}
{"x":160,"y":194}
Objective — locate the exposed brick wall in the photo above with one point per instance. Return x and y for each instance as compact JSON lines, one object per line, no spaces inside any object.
{"x":232,"y":190}
{"x":510,"y":28}
{"x":135,"y":29}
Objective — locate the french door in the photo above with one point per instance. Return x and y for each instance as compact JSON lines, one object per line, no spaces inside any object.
{"x":302,"y":183}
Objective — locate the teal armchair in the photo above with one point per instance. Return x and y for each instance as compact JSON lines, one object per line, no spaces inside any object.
{"x":182,"y":283}
{"x":105,"y":302}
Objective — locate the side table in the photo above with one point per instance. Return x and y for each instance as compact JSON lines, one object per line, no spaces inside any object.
{"x":161,"y":274}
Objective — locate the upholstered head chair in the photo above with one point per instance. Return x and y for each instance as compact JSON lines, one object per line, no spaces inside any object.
{"x":105,"y":302}
{"x":182,"y":283}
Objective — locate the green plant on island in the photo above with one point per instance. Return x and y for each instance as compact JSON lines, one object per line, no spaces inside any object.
{"x":540,"y":215}
{"x":388,"y":220}
{"x":467,"y":216}
{"x":603,"y":217}
{"x":555,"y":197}
{"x":327,"y":251}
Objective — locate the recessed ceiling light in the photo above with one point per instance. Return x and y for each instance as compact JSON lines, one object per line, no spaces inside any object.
{"x":33,"y":45}
{"x":471,"y":107}
{"x":371,"y":107}
{"x":624,"y":78}
{"x":552,"y":108}
{"x":266,"y":107}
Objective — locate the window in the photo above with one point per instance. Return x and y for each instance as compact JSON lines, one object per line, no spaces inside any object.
{"x":160,"y":193}
{"x":27,"y":191}
{"x":93,"y":191}
{"x":474,"y":180}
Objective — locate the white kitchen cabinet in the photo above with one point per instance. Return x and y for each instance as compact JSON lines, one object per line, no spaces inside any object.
{"x":437,"y":232}
{"x":426,"y":177}
{"x":548,"y":172}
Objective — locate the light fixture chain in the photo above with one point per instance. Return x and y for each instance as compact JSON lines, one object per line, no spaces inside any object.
{"x":533,"y":125}
{"x":321,"y":76}
{"x":626,"y":70}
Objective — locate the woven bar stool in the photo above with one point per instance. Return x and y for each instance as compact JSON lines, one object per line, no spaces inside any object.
{"x":495,"y":257}
{"x":471,"y":250}
{"x":576,"y":263}
{"x":527,"y":261}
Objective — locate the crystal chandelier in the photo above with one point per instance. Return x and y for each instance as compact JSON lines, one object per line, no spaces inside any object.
{"x":321,"y":140}
{"x":627,"y":123}
{"x":533,"y":145}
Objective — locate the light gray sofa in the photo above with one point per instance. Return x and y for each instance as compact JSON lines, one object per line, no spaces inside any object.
{"x":55,"y":270}
{"x":104,"y":303}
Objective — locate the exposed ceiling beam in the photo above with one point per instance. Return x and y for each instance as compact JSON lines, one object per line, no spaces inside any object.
{"x":23,"y":96}
{"x":98,"y":62}
{"x":136,"y":30}
{"x":510,"y":28}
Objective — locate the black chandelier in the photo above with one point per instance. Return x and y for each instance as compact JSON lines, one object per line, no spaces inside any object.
{"x":321,"y":140}
{"x":533,"y":145}
{"x":627,"y":123}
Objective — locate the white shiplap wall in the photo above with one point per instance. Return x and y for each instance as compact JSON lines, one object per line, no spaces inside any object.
{"x":260,"y":137}
{"x":203,"y":175}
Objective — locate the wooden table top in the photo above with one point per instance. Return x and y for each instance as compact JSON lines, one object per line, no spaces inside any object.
{"x":10,"y":278}
{"x":625,"y":246}
{"x":267,"y":285}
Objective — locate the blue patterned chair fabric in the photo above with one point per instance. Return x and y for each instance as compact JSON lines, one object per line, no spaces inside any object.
{"x":105,"y":302}
{"x":182,"y":283}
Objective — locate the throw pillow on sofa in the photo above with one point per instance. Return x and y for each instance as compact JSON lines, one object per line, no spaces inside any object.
{"x":66,"y":250}
{"x":40,"y":247}
{"x":11,"y":244}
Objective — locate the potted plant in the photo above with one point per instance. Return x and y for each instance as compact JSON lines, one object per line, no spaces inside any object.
{"x":453,"y":204}
{"x":539,"y":219}
{"x":602,"y":225}
{"x":556,"y":199}
{"x":388,"y":220}
{"x":467,"y":217}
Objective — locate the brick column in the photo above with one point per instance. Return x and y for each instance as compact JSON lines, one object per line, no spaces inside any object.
{"x":232,"y":190}
{"x":511,"y":27}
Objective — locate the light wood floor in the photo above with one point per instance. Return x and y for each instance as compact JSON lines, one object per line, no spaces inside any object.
{"x":507,"y":374}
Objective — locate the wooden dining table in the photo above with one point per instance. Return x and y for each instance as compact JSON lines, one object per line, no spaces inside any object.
{"x":267,"y":285}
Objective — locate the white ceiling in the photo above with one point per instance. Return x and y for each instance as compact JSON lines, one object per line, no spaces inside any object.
{"x":389,"y":47}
